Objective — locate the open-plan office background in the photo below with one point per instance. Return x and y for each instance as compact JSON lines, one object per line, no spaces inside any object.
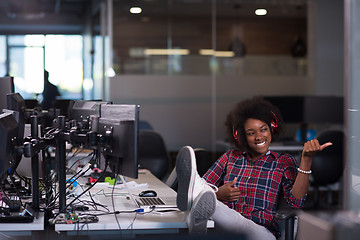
{"x":187,"y":62}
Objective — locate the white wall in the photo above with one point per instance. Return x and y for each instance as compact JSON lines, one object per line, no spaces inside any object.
{"x":180,"y":107}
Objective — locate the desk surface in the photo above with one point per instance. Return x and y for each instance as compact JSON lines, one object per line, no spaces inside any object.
{"x":122,"y":202}
{"x":286,"y":148}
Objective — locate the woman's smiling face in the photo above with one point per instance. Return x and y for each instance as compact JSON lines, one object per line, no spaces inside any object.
{"x":258,"y":137}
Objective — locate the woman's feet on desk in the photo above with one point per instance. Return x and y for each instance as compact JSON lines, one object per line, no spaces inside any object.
{"x":195,"y":196}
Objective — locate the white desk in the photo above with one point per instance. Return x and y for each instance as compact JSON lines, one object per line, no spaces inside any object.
{"x":131,"y":222}
{"x":286,"y":148}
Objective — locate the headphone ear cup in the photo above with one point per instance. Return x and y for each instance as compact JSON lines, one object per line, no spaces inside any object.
{"x":235,"y":134}
{"x":274,"y":126}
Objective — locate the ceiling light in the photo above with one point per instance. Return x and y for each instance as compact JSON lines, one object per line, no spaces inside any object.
{"x":260,"y":12}
{"x":135,"y":10}
{"x":216,"y":53}
{"x":166,"y":52}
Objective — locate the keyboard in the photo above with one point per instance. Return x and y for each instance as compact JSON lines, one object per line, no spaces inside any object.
{"x":150,"y":201}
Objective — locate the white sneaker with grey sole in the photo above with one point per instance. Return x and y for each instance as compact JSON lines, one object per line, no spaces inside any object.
{"x":194,"y":193}
{"x":201,"y":211}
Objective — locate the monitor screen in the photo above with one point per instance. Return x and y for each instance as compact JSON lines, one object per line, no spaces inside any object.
{"x":324,"y":109}
{"x":8,"y":132}
{"x":291,"y":107}
{"x":122,"y":122}
{"x":6,"y":86}
{"x":310,"y":109}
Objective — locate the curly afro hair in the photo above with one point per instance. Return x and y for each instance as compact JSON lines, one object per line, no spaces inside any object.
{"x":256,"y":108}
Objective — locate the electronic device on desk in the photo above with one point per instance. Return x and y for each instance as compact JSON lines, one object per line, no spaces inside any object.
{"x":306,"y":110}
{"x":15,"y":217}
{"x":81,"y":111}
{"x":9,"y":130}
{"x":120,"y":125}
{"x":6,"y":86}
{"x":149,"y":198}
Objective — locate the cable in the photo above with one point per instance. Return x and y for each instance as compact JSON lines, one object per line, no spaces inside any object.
{"x":113,"y":202}
{"x":73,"y":180}
{"x":92,"y":153}
{"x":91,"y":186}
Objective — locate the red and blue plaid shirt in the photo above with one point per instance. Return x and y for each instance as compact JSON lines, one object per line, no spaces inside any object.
{"x":260,"y":183}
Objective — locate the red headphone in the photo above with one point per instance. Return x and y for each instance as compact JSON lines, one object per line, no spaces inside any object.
{"x":274,"y":127}
{"x":235,"y":134}
{"x":274,"y":124}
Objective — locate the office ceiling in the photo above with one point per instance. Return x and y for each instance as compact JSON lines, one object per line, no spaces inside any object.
{"x":34,"y":9}
{"x":52,"y":16}
{"x":241,"y":8}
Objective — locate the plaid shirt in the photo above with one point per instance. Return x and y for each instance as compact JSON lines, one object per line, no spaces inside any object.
{"x":260,"y":183}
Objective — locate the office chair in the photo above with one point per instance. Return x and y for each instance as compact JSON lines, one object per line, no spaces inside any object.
{"x":286,"y":218}
{"x":327,"y":165}
{"x":203,"y":160}
{"x":145,"y":125}
{"x":153,"y":154}
{"x":203,"y":163}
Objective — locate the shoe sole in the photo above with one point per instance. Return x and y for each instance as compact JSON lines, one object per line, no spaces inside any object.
{"x":203,"y":208}
{"x":186,"y":177}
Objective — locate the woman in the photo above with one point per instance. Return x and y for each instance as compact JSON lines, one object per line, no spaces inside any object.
{"x":250,"y":178}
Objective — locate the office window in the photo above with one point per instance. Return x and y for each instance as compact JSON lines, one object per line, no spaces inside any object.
{"x":63,"y":60}
{"x":26,"y":64}
{"x":60,"y":55}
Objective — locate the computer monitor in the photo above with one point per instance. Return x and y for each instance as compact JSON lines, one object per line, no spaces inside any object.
{"x":15,"y":102}
{"x":122,"y":123}
{"x":290,"y":107}
{"x":8,"y":132}
{"x":310,"y":109}
{"x":81,"y":110}
{"x":306,"y":110}
{"x":64,"y":105}
{"x":324,"y":109}
{"x":6,"y":86}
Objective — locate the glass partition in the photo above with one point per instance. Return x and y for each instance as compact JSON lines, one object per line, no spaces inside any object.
{"x":176,"y":38}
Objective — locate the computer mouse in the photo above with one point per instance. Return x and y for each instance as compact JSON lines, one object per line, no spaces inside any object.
{"x":148,"y":193}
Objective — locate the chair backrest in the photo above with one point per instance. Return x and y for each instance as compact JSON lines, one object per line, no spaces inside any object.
{"x":327,"y":165}
{"x":203,"y":160}
{"x":153,"y":154}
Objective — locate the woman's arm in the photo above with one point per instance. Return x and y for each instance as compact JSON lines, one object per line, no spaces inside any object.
{"x":301,"y":184}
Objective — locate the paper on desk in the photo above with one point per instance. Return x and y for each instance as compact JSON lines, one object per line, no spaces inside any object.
{"x":130,"y":185}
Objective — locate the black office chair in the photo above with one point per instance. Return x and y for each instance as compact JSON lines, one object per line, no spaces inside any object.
{"x":327,"y":165}
{"x":203,"y":163}
{"x":203,"y":160}
{"x":286,"y":218}
{"x":153,"y":154}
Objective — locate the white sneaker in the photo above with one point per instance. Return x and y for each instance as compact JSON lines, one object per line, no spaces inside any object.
{"x":190,"y":184}
{"x":201,"y":211}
